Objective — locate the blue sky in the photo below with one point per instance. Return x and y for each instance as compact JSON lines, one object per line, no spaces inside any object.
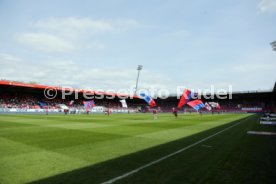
{"x":98,"y":44}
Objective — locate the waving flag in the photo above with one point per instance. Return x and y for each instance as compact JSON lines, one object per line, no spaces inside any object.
{"x":71,"y":102}
{"x":63,"y":106}
{"x":89,"y":104}
{"x":218,"y":106}
{"x":148,"y":99}
{"x":208,"y":107}
{"x":185,"y":98}
{"x":196,"y":104}
{"x":214,"y":105}
{"x":42,"y":104}
{"x":124,"y":104}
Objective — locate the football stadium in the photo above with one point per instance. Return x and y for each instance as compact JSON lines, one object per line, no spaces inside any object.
{"x":148,"y":92}
{"x":42,"y":143}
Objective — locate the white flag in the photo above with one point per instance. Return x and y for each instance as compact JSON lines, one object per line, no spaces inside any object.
{"x":71,"y":102}
{"x":124,"y":104}
{"x":208,"y":107}
{"x":213,"y":104}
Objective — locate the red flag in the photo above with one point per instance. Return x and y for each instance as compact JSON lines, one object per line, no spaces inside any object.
{"x":196,"y":104}
{"x":89,"y":104}
{"x":186,"y":96}
{"x":208,"y":107}
{"x":152,"y":103}
{"x":218,"y":106}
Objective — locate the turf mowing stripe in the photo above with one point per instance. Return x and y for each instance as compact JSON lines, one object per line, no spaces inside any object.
{"x":170,"y":155}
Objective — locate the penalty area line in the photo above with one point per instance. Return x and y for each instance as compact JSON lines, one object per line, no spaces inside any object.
{"x":170,"y":155}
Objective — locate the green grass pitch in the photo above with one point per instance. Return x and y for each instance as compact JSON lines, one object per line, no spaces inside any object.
{"x":96,"y":148}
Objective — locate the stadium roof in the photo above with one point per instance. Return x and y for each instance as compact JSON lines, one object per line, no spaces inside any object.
{"x":58,"y":88}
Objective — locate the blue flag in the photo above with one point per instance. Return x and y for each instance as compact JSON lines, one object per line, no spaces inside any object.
{"x":148,"y":99}
{"x":41,"y":104}
{"x":89,"y":104}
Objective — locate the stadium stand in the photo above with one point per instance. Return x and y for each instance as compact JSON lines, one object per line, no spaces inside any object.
{"x":247,"y":101}
{"x":17,"y":95}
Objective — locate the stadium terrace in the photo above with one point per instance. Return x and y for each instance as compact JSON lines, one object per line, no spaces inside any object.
{"x":23,"y":97}
{"x":135,"y":140}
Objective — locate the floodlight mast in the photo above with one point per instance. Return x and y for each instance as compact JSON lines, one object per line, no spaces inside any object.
{"x":139,"y":68}
{"x":273,"y":45}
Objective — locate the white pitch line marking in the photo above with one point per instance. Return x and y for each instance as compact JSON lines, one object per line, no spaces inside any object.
{"x":170,"y":155}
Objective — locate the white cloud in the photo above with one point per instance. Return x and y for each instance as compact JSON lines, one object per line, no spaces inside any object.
{"x":261,"y":61}
{"x":70,"y":74}
{"x":8,"y":57}
{"x":267,"y":6}
{"x":255,"y":70}
{"x":181,"y":34}
{"x":78,"y":25}
{"x":255,"y":67}
{"x":250,"y":74}
{"x":45,"y":42}
{"x":74,"y":23}
{"x":68,"y":34}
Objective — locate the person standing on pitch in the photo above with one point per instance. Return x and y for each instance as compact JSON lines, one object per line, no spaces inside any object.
{"x":154,"y":112}
{"x":46,"y":110}
{"x":174,"y":111}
